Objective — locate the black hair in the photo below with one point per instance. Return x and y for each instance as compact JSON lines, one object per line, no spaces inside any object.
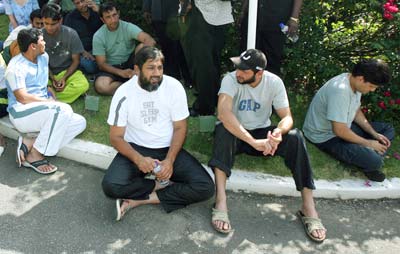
{"x":35,"y":14}
{"x":26,"y":37}
{"x":106,"y":7}
{"x":146,"y":53}
{"x":52,"y":10}
{"x":374,"y":71}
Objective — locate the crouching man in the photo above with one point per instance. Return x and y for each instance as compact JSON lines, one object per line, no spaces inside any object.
{"x":148,"y":128}
{"x":32,"y":108}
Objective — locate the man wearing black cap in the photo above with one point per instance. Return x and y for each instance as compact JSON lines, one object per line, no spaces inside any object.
{"x":245,"y":103}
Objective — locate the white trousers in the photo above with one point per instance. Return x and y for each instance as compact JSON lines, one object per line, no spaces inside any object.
{"x":55,"y":121}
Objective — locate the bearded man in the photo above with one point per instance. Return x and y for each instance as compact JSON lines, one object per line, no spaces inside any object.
{"x":148,"y":127}
{"x":245,"y":103}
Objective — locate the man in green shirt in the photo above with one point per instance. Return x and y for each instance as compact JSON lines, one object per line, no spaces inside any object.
{"x":114,"y":46}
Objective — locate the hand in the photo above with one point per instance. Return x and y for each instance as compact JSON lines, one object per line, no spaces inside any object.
{"x":377,"y":146}
{"x":166,"y":170}
{"x":147,"y":17}
{"x":87,"y":55}
{"x":51,"y":93}
{"x":383,"y":140}
{"x":260,"y":144}
{"x":127,"y":73}
{"x":293,"y":27}
{"x":147,"y":164}
{"x":92,"y":5}
{"x":60,"y":85}
{"x":274,"y":139}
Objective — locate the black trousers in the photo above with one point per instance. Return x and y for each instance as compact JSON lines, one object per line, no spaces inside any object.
{"x":292,"y":149}
{"x":168,"y":38}
{"x":202,"y":44}
{"x":192,"y":183}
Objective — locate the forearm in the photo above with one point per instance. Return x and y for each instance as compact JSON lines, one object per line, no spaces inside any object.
{"x":232,"y":124}
{"x":348,"y":135}
{"x":285,"y":125}
{"x":362,"y":121}
{"x":177,"y":141}
{"x":13,"y":21}
{"x":109,"y":68}
{"x":125,"y":149}
{"x":71,"y":69}
{"x":29,"y":98}
{"x":296,"y":8}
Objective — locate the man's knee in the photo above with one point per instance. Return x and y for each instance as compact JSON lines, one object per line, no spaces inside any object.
{"x":109,"y":189}
{"x":204,"y":190}
{"x":374,"y":162}
{"x":104,"y":86}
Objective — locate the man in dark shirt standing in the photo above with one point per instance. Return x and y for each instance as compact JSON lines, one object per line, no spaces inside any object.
{"x":85,"y":21}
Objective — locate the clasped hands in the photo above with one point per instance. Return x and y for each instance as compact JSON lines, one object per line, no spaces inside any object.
{"x":270,"y":144}
{"x":147,"y":164}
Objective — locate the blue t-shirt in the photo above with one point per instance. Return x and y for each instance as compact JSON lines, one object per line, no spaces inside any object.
{"x":22,"y":73}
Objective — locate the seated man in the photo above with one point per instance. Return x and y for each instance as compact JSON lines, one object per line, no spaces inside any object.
{"x":245,"y":103}
{"x":336,"y":124}
{"x":148,"y":128}
{"x":64,"y":48}
{"x":32,"y":110}
{"x":11,"y":45}
{"x":114,"y":48}
{"x":85,"y":21}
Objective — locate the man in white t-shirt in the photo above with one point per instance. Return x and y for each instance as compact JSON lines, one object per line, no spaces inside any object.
{"x":246,"y":99}
{"x":148,"y":127}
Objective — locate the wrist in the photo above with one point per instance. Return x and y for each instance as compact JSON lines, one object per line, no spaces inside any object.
{"x":296,"y":20}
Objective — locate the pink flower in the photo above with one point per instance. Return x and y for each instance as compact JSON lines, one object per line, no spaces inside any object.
{"x":388,"y":15}
{"x":382,"y":105}
{"x":397,"y":101}
{"x":364,"y":110}
{"x":387,"y":94}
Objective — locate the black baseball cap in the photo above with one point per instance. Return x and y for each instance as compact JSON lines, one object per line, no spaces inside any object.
{"x":251,"y":59}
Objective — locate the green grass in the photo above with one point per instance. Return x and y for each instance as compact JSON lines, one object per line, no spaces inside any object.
{"x":200,"y":144}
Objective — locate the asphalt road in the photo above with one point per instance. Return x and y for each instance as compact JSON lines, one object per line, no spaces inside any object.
{"x":67,"y":212}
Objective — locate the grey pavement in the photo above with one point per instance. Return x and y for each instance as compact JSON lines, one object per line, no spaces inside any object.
{"x":68,"y":213}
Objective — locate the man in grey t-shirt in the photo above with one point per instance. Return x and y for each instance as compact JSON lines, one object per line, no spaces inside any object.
{"x":245,"y":103}
{"x":64,"y":48}
{"x":336,"y":124}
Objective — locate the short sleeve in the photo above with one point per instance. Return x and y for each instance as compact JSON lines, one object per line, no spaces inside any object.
{"x":179,"y":108}
{"x":280,"y":99}
{"x":76,"y":44}
{"x":133,"y":31}
{"x":98,"y":44}
{"x":15,"y":78}
{"x":228,"y":85}
{"x":118,"y":115}
{"x":337,"y":106}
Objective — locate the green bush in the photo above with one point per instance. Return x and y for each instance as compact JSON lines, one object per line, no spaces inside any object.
{"x":333,"y":36}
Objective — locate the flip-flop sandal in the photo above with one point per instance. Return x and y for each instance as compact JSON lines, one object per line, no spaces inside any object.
{"x":120,"y":212}
{"x":21,"y":148}
{"x":310,"y":224}
{"x":218,"y":215}
{"x":36,"y":164}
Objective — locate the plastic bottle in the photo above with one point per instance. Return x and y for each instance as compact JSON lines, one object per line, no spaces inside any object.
{"x":284,"y":28}
{"x":158,"y":169}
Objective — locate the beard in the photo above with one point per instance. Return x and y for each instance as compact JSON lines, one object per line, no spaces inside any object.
{"x":247,"y":81}
{"x":147,"y":85}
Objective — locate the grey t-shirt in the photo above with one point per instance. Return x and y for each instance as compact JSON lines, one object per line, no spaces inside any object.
{"x":334,"y":101}
{"x":253,"y":105}
{"x":61,"y":47}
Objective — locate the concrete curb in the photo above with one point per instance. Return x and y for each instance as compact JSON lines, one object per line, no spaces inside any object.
{"x":100,"y":156}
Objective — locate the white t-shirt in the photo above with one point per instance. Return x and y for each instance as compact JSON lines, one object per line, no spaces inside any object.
{"x":215,"y":12}
{"x":148,"y":116}
{"x":253,"y":105}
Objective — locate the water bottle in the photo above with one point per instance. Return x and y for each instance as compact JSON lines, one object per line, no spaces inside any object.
{"x":284,"y":28}
{"x":158,"y":169}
